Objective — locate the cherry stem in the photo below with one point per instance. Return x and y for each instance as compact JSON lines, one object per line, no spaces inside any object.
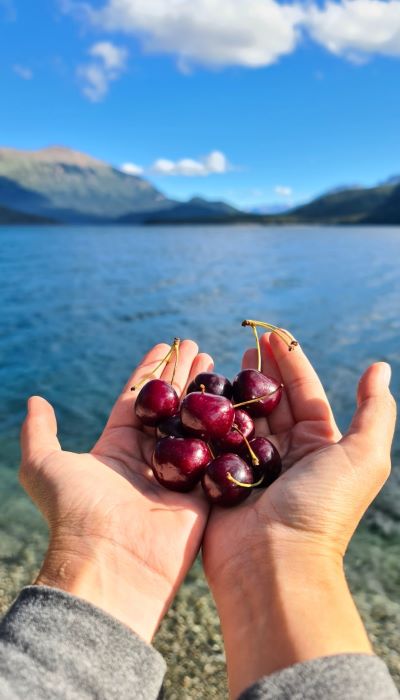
{"x":258,"y":398}
{"x":254,"y":329}
{"x":173,"y":349}
{"x":240,"y":483}
{"x":280,"y":332}
{"x":211,"y":450}
{"x":202,"y":388}
{"x":253,"y":455}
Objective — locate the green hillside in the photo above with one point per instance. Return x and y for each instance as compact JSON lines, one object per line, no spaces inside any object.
{"x":196,"y":210}
{"x":9,"y":216}
{"x":388,"y":212}
{"x":61,"y":183}
{"x":345,"y":206}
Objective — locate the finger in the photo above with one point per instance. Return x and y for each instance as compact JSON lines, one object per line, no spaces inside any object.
{"x":188,"y":350}
{"x":201,"y":363}
{"x":147,"y":366}
{"x":123,"y":413}
{"x":281,"y":419}
{"x":304,"y":390}
{"x":250,"y":361}
{"x":372,"y":428}
{"x":38,"y":433}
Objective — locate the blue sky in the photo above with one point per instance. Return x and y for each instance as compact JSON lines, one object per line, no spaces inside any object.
{"x":263,"y":102}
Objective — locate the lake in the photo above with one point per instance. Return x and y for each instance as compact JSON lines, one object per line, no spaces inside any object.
{"x":80,"y":306}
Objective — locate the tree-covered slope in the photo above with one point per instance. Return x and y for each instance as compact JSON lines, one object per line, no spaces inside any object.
{"x":388,"y":212}
{"x":10,"y":216}
{"x":193,"y":211}
{"x":345,"y":206}
{"x":62,"y":183}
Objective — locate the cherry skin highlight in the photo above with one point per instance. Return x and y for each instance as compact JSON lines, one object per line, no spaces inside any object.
{"x":270,"y":462}
{"x":207,"y":414}
{"x":171,"y":427}
{"x":156,"y":400}
{"x":179,"y":463}
{"x":213,"y":384}
{"x":217,"y":485}
{"x":233,"y":441}
{"x":249,"y":384}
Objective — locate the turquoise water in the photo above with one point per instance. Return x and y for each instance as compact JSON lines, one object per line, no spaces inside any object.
{"x":79,"y":306}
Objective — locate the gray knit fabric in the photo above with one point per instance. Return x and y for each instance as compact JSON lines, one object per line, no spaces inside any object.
{"x":342,"y":677}
{"x":54,"y":645}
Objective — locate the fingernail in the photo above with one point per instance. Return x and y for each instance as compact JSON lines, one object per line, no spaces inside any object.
{"x":386,"y":373}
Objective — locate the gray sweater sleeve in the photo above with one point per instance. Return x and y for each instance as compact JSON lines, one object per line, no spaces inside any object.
{"x":342,"y":677}
{"x":56,"y":646}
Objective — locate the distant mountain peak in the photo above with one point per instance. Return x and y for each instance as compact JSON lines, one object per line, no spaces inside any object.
{"x":392,"y":180}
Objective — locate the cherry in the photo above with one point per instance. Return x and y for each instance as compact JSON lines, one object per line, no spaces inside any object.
{"x":171,"y":427}
{"x":156,"y":400}
{"x":219,"y":480}
{"x":207,"y":414}
{"x":179,"y":463}
{"x":243,"y":425}
{"x":270,"y":465}
{"x":249,"y":384}
{"x":213,"y":384}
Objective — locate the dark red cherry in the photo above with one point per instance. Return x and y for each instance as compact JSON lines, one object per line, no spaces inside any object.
{"x":249,"y":384}
{"x":156,"y":400}
{"x":213,"y":383}
{"x":179,"y":463}
{"x":171,"y":427}
{"x":270,"y":462}
{"x":233,"y":440}
{"x":207,"y":414}
{"x":217,"y":484}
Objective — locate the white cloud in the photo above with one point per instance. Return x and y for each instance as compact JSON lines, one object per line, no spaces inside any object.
{"x":283,"y":191}
{"x":23,"y":72}
{"x":113,"y":57}
{"x":357,"y":28}
{"x":250,"y":33}
{"x":217,"y":33}
{"x":131,"y":169}
{"x":214,"y":163}
{"x":107,"y":64}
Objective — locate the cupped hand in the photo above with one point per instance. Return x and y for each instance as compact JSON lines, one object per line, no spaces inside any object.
{"x":328,"y":480}
{"x":117,"y":538}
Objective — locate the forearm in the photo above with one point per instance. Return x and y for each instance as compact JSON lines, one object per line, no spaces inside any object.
{"x":285,"y":609}
{"x":109,"y":578}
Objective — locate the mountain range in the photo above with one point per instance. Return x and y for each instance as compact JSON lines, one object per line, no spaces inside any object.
{"x":60,"y":185}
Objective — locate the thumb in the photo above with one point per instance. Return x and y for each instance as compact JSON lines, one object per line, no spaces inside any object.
{"x":39,"y":431}
{"x":372,"y":428}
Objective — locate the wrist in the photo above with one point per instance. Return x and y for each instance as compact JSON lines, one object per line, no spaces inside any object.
{"x":109,"y":578}
{"x":273,"y":558}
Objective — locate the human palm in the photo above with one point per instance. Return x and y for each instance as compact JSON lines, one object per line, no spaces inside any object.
{"x":109,"y":495}
{"x":320,"y":498}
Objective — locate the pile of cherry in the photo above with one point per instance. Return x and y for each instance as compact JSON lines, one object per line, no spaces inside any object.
{"x":209,"y":436}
